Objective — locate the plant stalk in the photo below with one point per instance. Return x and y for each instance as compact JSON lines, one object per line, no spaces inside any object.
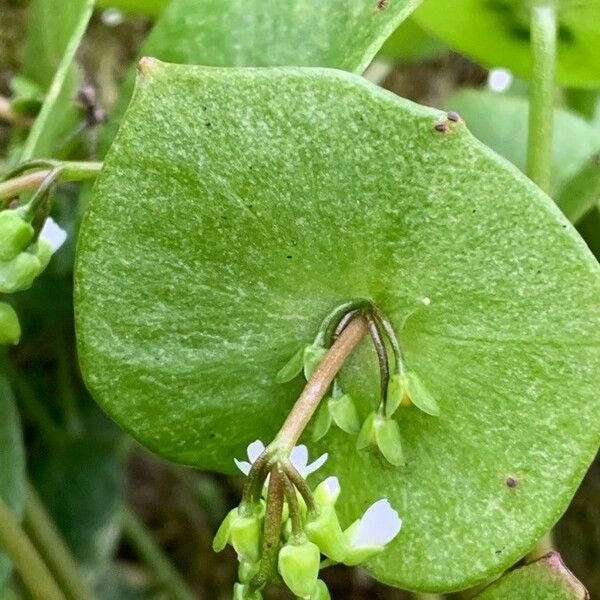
{"x":150,"y":552}
{"x":541,"y":98}
{"x":72,"y":171}
{"x":33,"y":571}
{"x":319,"y":383}
{"x":51,"y":545}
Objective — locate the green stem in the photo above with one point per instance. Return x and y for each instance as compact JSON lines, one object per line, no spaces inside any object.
{"x":71,"y":171}
{"x":541,"y":101}
{"x":544,"y":545}
{"x":149,"y":551}
{"x":50,"y":544}
{"x":33,"y":571}
{"x":65,"y":385}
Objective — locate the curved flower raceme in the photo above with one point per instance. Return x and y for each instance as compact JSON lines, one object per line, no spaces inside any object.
{"x":298,"y":458}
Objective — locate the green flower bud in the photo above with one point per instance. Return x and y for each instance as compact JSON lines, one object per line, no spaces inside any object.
{"x":383,"y":433}
{"x":312,"y":357}
{"x":246,"y":535}
{"x":323,"y":422}
{"x":344,"y":414}
{"x":420,"y":396}
{"x":298,"y":565}
{"x":15,"y":234}
{"x":323,"y":529}
{"x":292,"y":368}
{"x":320,"y":592}
{"x":247,"y":571}
{"x":224,"y":532}
{"x":243,"y":592}
{"x":396,"y":394}
{"x":10,"y":330}
{"x":19,"y":273}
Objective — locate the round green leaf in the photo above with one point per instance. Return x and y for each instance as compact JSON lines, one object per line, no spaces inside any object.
{"x":496,"y":32}
{"x":500,"y":121}
{"x":12,"y":460}
{"x":237,"y":207}
{"x":545,"y":579}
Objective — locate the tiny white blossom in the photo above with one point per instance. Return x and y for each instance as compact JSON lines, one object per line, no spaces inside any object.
{"x":298,"y":457}
{"x":327,"y":492}
{"x":377,"y":527}
{"x":53,"y":234}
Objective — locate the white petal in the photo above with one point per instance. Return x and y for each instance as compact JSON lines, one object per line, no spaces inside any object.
{"x":243,"y":466}
{"x":299,"y":457}
{"x":315,"y":465}
{"x":499,"y":80}
{"x":333,"y":485}
{"x":378,"y":526}
{"x":255,"y":449}
{"x":53,"y":234}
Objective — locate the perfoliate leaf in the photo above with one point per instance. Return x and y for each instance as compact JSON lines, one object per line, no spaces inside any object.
{"x":219,"y":176}
{"x":545,"y":579}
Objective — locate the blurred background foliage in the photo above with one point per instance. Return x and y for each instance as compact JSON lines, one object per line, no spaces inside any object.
{"x":121,"y":510}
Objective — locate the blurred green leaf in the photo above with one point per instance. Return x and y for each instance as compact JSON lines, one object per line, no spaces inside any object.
{"x":12,"y":459}
{"x":496,"y":32}
{"x":500,"y":122}
{"x":411,"y":43}
{"x":237,"y":207}
{"x":81,"y":483}
{"x":545,"y":579}
{"x":152,"y":8}
{"x":55,"y":29}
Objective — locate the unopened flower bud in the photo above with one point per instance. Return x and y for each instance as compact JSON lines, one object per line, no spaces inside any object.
{"x":298,"y":564}
{"x":292,"y":368}
{"x":18,"y":274}
{"x":313,"y":355}
{"x":246,"y":535}
{"x":383,"y":433}
{"x":15,"y":234}
{"x":10,"y":330}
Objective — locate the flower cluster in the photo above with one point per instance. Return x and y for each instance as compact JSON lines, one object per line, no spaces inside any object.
{"x":400,"y":387}
{"x":23,"y":256}
{"x":302,"y":528}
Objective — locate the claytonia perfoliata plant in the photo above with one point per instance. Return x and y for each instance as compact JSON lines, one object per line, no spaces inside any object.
{"x":309,"y":528}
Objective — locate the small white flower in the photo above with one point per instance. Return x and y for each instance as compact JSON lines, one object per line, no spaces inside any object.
{"x":53,"y":234}
{"x":377,"y":527}
{"x":327,"y":492}
{"x":298,"y":457}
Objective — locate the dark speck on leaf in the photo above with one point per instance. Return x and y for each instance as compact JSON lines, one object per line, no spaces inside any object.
{"x":511,"y":482}
{"x":290,"y":256}
{"x":453,"y":116}
{"x":441,"y":127}
{"x":208,"y":124}
{"x":382,"y":4}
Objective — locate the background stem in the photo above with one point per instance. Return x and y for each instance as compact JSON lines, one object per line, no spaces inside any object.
{"x":50,"y":544}
{"x":33,"y":571}
{"x":319,"y":383}
{"x":149,"y":551}
{"x":72,"y":171}
{"x":541,"y":98}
